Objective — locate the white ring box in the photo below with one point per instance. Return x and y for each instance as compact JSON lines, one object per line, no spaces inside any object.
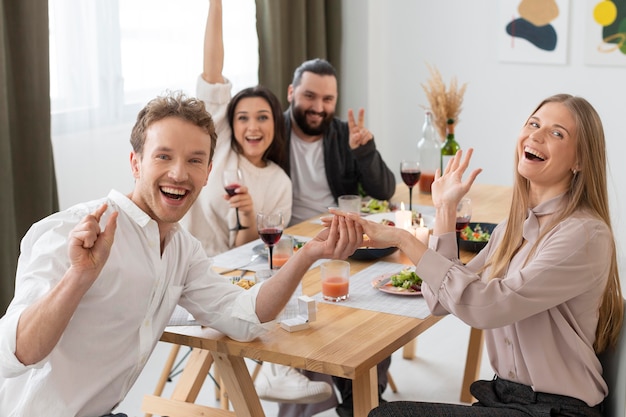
{"x":306,"y":313}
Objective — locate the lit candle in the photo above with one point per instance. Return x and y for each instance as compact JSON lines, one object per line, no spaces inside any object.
{"x":422,"y":232}
{"x":404,"y":218}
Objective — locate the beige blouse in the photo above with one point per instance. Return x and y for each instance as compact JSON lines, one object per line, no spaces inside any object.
{"x":540,"y":318}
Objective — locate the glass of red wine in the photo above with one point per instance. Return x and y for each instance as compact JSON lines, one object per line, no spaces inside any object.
{"x":270,"y":227}
{"x":233,"y":179}
{"x":463,"y":216}
{"x":410,"y":172}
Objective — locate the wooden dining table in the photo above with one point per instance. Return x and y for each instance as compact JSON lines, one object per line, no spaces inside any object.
{"x":342,"y":341}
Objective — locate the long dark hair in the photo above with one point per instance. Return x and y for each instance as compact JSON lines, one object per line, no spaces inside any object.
{"x":276,"y":151}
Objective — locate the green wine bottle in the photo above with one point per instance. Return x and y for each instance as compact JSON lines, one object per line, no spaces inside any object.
{"x":449,"y":147}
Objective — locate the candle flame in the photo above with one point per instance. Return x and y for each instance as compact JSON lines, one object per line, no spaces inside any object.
{"x":402,"y":206}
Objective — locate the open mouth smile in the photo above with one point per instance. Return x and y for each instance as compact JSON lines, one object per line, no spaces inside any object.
{"x":254,"y":139}
{"x":173,"y":193}
{"x":533,"y":154}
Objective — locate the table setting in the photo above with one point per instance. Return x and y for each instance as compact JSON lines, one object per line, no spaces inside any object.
{"x":364,"y":294}
{"x":378,"y":323}
{"x":250,"y":257}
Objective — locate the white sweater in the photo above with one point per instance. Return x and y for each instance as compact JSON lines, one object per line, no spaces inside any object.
{"x":210,"y":217}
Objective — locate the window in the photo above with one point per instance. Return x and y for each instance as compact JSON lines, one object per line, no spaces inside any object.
{"x":109,"y":57}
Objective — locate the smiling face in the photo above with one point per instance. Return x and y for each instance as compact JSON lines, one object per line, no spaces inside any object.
{"x":171,"y":170}
{"x":547,"y":149}
{"x":253,"y":128}
{"x":313,"y":102}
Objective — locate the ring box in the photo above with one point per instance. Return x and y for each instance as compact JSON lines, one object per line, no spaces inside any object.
{"x":306,"y":313}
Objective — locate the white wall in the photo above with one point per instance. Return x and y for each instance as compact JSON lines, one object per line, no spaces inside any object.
{"x":89,"y":165}
{"x":388,"y":44}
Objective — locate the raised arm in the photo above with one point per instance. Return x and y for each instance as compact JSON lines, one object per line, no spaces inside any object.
{"x":42,"y":324}
{"x":213,"y":62}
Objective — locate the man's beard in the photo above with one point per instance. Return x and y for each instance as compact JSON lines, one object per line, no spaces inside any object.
{"x":299,"y":116}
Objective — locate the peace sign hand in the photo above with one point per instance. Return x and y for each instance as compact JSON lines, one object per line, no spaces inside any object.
{"x":359,"y":135}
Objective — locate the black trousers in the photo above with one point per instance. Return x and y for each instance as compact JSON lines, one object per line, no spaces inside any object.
{"x":497,"y":398}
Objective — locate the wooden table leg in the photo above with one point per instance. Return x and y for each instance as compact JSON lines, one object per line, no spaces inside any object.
{"x":408,"y":351}
{"x":186,"y":391}
{"x":472,"y":363}
{"x":236,"y":378}
{"x":365,"y":392}
{"x":193,"y":376}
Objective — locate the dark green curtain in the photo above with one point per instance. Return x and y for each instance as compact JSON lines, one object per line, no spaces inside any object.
{"x":293,"y":31}
{"x":26,"y":166}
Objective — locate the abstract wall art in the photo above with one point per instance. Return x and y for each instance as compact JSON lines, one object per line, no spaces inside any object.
{"x":605,"y":35}
{"x":533,"y":31}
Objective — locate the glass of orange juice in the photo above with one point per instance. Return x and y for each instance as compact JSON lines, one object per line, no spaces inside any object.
{"x":282,"y":251}
{"x":335,"y":280}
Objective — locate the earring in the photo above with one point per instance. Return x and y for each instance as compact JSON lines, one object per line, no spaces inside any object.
{"x":574,"y":172}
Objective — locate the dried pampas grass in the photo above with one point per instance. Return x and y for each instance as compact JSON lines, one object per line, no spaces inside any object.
{"x":444,"y":104}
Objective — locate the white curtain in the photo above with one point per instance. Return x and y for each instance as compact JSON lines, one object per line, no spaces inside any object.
{"x":109,"y":57}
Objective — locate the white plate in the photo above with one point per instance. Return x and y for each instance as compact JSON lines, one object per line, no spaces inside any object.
{"x":429,"y":221}
{"x":390,"y":289}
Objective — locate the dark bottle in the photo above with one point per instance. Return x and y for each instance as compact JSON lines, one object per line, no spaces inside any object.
{"x":450,"y":147}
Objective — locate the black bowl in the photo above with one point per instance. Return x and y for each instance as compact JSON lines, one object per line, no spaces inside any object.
{"x":368,"y":254}
{"x":474,"y":246}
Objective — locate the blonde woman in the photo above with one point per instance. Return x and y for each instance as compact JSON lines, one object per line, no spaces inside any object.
{"x":546,"y":288}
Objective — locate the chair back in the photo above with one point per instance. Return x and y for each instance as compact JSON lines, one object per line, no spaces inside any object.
{"x":614,"y":371}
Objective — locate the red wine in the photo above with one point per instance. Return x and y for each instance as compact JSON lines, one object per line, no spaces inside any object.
{"x":462,"y":223}
{"x":410,"y":178}
{"x":270,"y":236}
{"x":230,"y":189}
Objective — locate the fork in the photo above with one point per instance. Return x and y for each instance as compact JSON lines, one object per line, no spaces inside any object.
{"x":239,"y":268}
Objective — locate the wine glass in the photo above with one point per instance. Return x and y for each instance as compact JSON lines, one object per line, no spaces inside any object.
{"x":410,"y":172}
{"x":270,"y":228}
{"x":233,"y":179}
{"x":463,"y":216}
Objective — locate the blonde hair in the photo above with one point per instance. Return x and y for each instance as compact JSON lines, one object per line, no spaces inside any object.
{"x":587,"y":191}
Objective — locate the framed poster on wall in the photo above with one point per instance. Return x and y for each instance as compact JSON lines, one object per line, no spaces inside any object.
{"x":533,"y":31}
{"x":605,"y":34}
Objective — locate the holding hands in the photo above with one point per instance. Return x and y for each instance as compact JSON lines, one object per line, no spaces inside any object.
{"x":359,"y":135}
{"x":341,"y":237}
{"x":378,"y":235}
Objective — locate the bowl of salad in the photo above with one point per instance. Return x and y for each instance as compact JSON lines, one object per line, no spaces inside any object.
{"x":475,"y":236}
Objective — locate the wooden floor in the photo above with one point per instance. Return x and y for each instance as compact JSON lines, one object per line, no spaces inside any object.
{"x":435,"y":375}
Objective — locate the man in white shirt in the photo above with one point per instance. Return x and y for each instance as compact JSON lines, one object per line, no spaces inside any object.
{"x":97,"y":283}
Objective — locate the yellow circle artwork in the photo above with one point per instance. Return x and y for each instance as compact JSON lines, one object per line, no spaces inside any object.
{"x":605,"y":13}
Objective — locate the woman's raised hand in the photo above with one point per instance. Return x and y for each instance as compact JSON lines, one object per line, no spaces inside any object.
{"x":449,"y":187}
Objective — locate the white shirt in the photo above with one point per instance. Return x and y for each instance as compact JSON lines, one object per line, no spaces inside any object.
{"x":311,"y":192}
{"x":119,"y":320}
{"x":211,"y":217}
